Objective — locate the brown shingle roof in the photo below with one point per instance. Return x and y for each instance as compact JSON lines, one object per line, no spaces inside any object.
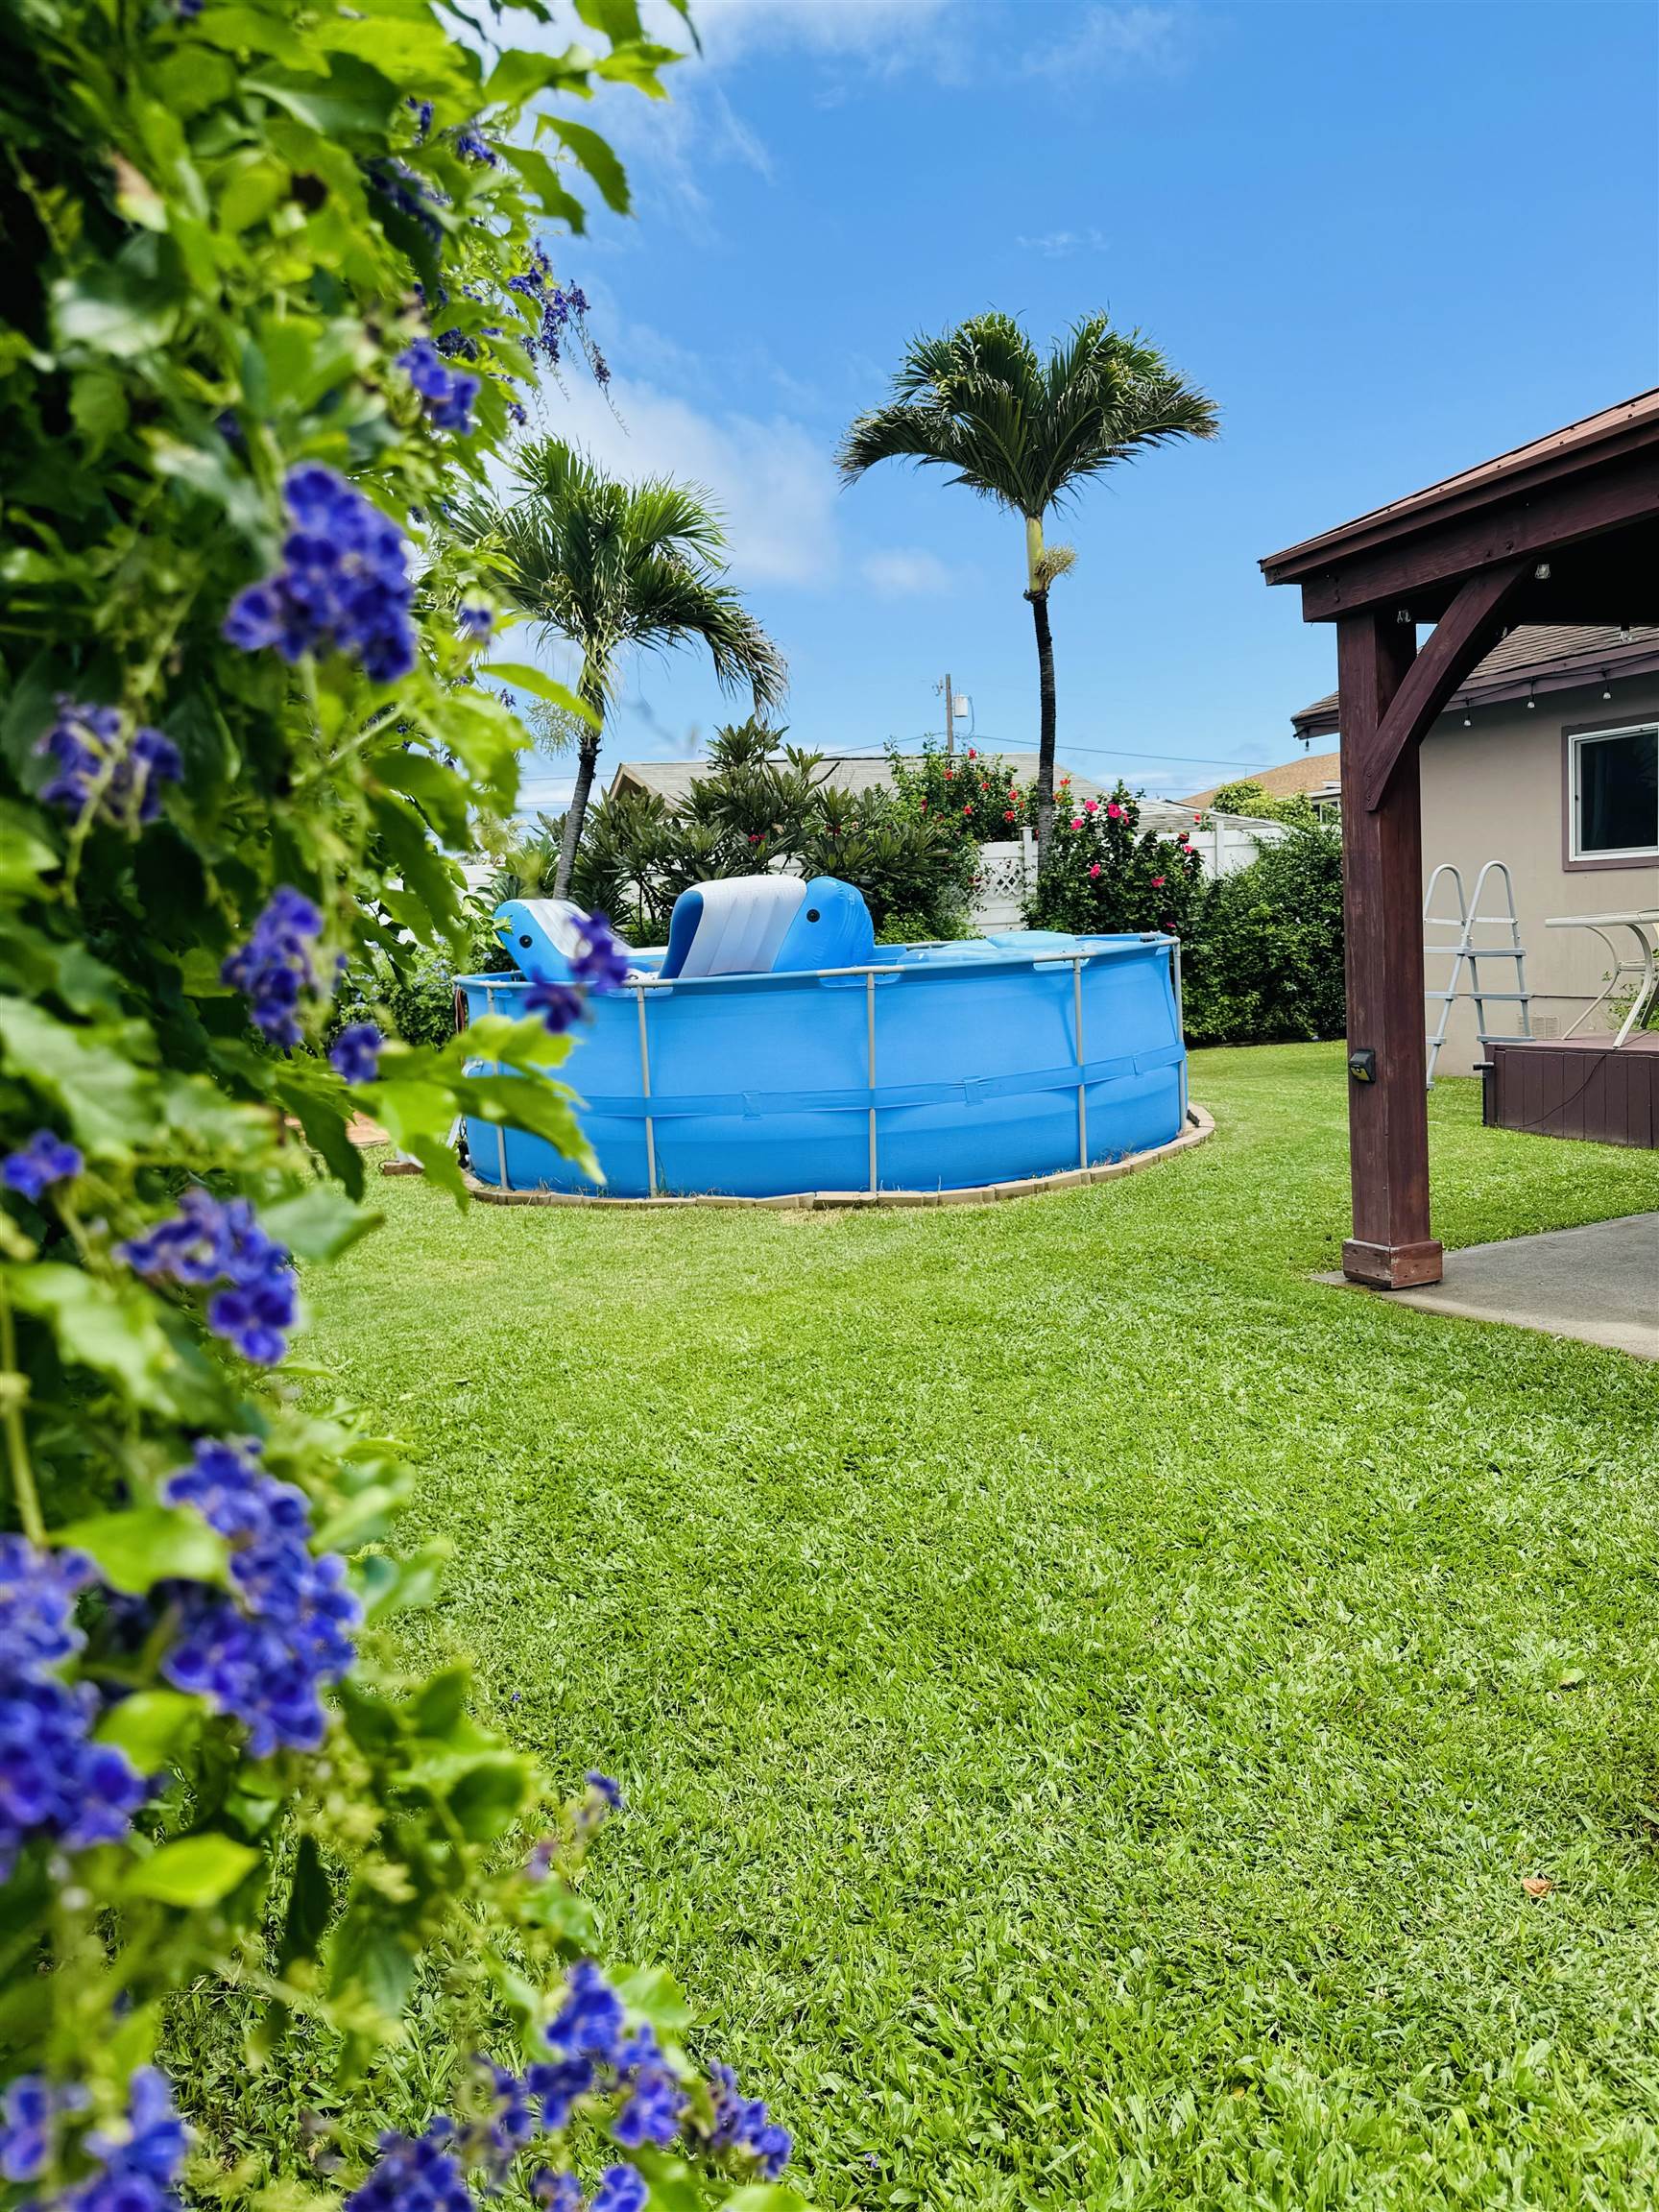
{"x":1286,"y":782}
{"x":1549,"y":656}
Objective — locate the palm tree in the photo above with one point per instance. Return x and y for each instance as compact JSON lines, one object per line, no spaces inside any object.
{"x":1027,"y":433}
{"x":606,"y":564}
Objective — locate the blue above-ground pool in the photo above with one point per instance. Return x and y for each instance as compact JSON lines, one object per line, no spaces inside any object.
{"x":822,"y":1062}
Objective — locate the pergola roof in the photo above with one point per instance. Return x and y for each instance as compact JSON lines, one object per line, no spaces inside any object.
{"x":1585,"y":495}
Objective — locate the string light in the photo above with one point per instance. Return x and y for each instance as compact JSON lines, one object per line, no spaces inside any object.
{"x":1530,"y":700}
{"x":1606,"y":688}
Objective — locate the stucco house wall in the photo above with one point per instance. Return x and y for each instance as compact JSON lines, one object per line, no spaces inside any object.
{"x":1497,"y":791}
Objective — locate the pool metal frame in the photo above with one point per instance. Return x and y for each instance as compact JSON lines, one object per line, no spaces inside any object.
{"x":639,"y":985}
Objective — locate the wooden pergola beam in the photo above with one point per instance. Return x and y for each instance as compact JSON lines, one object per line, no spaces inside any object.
{"x":1462,"y":637}
{"x":1549,"y":520}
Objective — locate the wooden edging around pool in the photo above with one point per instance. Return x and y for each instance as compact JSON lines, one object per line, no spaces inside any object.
{"x":1200,"y":1125}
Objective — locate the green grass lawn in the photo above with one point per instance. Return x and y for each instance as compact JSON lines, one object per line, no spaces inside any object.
{"x":1088,"y":1696}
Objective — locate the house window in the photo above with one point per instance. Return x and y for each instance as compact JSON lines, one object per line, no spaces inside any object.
{"x":1615,"y":794}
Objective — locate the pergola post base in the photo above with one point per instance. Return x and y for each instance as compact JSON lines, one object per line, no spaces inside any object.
{"x":1392,"y":1266}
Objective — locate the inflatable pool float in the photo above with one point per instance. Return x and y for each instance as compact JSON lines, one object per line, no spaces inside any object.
{"x":772,"y":1048}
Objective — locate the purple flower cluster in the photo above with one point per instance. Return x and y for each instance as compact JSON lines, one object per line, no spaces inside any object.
{"x":141,"y":2161}
{"x":55,"y":1782}
{"x":477,"y":621}
{"x":138,"y":2162}
{"x":448,"y":393}
{"x":263,"y":1652}
{"x":472,"y":145}
{"x":561,"y":1005}
{"x":91,"y":767}
{"x":554,"y":304}
{"x":29,"y":2116}
{"x":355,"y":1053}
{"x":602,"y":963}
{"x":214,"y":1241}
{"x":594,"y":2052}
{"x":415,"y":2174}
{"x":344,"y":585}
{"x":741,"y":2124}
{"x":275,"y":967}
{"x":33,"y":1167}
{"x":408,"y":193}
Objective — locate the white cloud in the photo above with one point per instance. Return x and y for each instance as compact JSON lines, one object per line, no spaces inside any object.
{"x":905,"y":571}
{"x":770,"y":477}
{"x":886,"y":34}
{"x":1061,"y":245}
{"x":1109,"y":40}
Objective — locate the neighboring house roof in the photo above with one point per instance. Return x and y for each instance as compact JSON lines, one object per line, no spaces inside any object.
{"x":672,"y":780}
{"x":1534,"y":657}
{"x":1317,"y":771}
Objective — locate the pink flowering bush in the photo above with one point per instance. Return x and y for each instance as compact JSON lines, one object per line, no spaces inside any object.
{"x":1105,"y":873}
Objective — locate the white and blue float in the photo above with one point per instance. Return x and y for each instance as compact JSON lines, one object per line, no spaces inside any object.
{"x":771,"y":1048}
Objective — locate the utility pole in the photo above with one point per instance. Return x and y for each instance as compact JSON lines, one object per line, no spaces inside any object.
{"x":949,"y":714}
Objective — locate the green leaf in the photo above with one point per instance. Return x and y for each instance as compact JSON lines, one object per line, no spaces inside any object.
{"x":195,"y":1872}
{"x":520,"y":676}
{"x":370,"y":1956}
{"x":319,"y":1224}
{"x":354,"y":100}
{"x":123,"y":307}
{"x":441,"y":1704}
{"x":653,"y":1992}
{"x":520,"y":74}
{"x":148,"y":1724}
{"x":108,"y":1099}
{"x":108,"y":1327}
{"x":601,"y":164}
{"x":133,"y":1550}
{"x":310,"y":1907}
{"x":489,"y":1797}
{"x":25,"y":854}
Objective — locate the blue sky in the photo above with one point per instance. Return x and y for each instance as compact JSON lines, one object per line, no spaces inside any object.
{"x":1389,"y":240}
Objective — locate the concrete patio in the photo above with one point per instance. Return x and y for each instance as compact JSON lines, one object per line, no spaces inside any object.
{"x":1598,"y":1283}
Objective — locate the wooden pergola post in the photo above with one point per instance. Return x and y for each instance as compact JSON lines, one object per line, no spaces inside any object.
{"x":1563,"y":530}
{"x":1387,"y":1054}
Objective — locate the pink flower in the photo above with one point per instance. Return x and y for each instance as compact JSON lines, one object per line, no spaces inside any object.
{"x":971,"y":755}
{"x":1091,"y":805}
{"x":1157,"y":883}
{"x":969,"y":808}
{"x":1114,"y":812}
{"x":1009,"y":816}
{"x":1076,"y":820}
{"x":1095,"y":869}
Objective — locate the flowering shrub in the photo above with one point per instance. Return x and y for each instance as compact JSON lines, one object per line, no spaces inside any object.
{"x":247,"y":250}
{"x":975,"y":795}
{"x":1105,"y":873}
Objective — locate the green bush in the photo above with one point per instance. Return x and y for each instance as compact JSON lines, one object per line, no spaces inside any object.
{"x":758,"y":808}
{"x":1106,"y":874}
{"x":274,"y":282}
{"x":1263,"y":963}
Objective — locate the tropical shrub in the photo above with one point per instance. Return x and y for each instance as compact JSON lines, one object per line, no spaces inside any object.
{"x":1106,"y":872}
{"x":1263,"y":961}
{"x":758,"y":805}
{"x":273,"y":286}
{"x":1251,"y":798}
{"x":975,"y":795}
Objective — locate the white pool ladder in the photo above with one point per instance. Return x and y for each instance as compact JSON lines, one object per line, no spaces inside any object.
{"x":1467,"y":955}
